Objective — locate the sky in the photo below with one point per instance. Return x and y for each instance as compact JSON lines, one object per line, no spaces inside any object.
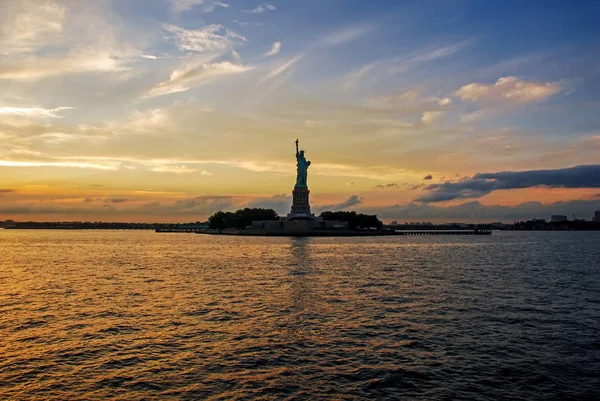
{"x":424,"y":110}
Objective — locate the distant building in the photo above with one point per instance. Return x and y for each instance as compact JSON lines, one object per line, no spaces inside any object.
{"x":394,"y":222}
{"x":556,"y":218}
{"x":596,"y":217}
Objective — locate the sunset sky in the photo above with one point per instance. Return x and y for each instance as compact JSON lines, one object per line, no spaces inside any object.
{"x":424,"y":110}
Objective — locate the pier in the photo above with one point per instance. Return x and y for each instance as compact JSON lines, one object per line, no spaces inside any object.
{"x":336,"y":233}
{"x":444,"y":232}
{"x":181,"y":230}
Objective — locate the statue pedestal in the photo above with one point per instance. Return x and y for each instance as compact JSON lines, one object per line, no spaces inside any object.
{"x":300,"y":205}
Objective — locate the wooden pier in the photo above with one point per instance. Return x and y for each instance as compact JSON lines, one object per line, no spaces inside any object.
{"x":331,"y":232}
{"x":444,"y":232}
{"x":181,"y":230}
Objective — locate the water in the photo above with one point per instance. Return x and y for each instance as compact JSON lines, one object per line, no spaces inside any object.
{"x":93,"y":315}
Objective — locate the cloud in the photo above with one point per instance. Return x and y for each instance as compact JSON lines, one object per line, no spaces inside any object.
{"x":6,"y":191}
{"x":260,"y":9}
{"x":207,"y":6}
{"x":482,"y":184}
{"x":275,"y":49}
{"x":373,"y":72}
{"x":75,"y":163}
{"x":390,"y":185}
{"x":428,"y":177}
{"x":212,"y":37}
{"x":345,"y":35}
{"x":431,"y":117}
{"x":281,"y":68}
{"x":195,"y":207}
{"x":203,"y":205}
{"x":352,"y":200}
{"x":27,"y":25}
{"x":509,"y":89}
{"x":173,"y":169}
{"x":33,"y":111}
{"x":281,"y":203}
{"x":77,"y":62}
{"x":190,"y":75}
{"x":476,"y":212}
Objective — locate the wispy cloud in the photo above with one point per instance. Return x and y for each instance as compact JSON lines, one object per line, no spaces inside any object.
{"x":178,"y":169}
{"x":74,"y":63}
{"x":261,"y":9}
{"x":275,"y":49}
{"x":281,"y":68}
{"x":173,"y":169}
{"x":33,"y":111}
{"x":181,"y":80}
{"x":213,"y":37}
{"x":510,"y":90}
{"x":377,"y":70}
{"x":106,"y":165}
{"x":207,"y":6}
{"x":345,"y":35}
{"x":27,"y":25}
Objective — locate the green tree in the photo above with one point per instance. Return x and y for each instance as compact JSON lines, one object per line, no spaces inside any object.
{"x":241,"y":218}
{"x":355,"y":220}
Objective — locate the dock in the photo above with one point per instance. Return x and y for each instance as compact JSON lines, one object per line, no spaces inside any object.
{"x":444,"y":232}
{"x":182,"y":230}
{"x":330,"y":233}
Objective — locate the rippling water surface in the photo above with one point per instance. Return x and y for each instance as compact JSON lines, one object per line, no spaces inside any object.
{"x":138,"y":315}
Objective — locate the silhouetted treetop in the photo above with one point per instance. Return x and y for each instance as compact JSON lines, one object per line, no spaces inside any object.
{"x":241,"y":218}
{"x":355,"y":220}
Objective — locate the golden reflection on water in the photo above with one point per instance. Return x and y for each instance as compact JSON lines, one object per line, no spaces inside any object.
{"x":138,"y":315}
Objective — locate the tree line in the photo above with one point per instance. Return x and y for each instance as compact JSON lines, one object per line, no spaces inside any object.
{"x":244,"y":217}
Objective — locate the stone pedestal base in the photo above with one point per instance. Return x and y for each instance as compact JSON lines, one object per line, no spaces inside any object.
{"x":300,"y":205}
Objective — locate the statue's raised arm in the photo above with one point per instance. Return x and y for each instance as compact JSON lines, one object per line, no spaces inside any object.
{"x":297,"y":146}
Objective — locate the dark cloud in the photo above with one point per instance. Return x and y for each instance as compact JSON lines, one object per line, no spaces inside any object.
{"x":352,"y":200}
{"x":483,"y":183}
{"x":88,"y":200}
{"x":197,"y":207}
{"x":280,"y":203}
{"x":201,"y":203}
{"x":428,"y":177}
{"x":415,"y":187}
{"x":390,"y":185}
{"x":116,"y":200}
{"x":475,"y":211}
{"x":6,"y":191}
{"x":202,"y":207}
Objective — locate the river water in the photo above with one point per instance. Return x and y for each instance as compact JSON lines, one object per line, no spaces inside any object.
{"x":135,"y":315}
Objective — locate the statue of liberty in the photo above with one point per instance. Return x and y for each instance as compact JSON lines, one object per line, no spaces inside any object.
{"x":302,"y":168}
